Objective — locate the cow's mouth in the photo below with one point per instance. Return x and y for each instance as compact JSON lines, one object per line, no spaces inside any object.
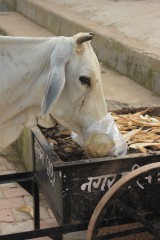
{"x":102,"y":139}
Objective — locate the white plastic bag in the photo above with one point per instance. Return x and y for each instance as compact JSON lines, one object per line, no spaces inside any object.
{"x":107,"y":133}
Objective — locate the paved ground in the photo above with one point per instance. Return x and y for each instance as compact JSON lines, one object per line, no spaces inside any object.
{"x":13,"y":197}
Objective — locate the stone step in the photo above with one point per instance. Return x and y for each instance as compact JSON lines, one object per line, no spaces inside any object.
{"x":128,"y":56}
{"x":118,"y":89}
{"x":14,"y":24}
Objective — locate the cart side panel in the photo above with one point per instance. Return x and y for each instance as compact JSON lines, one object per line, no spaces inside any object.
{"x":49,"y":181}
{"x":88,"y":185}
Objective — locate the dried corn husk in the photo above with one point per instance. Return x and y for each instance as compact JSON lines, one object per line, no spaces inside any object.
{"x":131,"y":134}
{"x":140,"y":130}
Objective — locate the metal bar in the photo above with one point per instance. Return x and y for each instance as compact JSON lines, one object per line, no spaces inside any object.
{"x":36,"y":206}
{"x":15,"y":177}
{"x":149,"y":226}
{"x":27,"y":185}
{"x":122,"y":234}
{"x":58,"y":237}
{"x":55,"y":231}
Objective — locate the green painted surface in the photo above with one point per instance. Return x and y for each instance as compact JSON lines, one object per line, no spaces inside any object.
{"x":24,"y":147}
{"x":8,"y":5}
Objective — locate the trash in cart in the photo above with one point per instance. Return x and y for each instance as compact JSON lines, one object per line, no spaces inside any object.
{"x":140,"y":129}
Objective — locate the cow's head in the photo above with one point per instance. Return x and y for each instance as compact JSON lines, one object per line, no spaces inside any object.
{"x":74,"y":95}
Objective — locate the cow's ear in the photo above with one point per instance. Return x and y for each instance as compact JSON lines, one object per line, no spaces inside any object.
{"x":54,"y":87}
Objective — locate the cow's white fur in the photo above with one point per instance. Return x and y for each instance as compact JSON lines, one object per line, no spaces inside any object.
{"x":39,"y":83}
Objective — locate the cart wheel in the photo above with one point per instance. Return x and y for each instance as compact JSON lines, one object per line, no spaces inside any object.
{"x":112,"y":193}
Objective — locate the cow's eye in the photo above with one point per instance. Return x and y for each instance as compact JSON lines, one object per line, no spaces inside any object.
{"x":85,"y":80}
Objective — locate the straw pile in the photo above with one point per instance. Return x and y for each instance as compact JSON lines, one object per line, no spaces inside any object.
{"x":141,"y":131}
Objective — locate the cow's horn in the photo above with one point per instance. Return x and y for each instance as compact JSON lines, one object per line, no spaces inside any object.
{"x":84,"y":37}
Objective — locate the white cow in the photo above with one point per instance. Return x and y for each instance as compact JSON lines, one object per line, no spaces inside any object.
{"x":49,"y":80}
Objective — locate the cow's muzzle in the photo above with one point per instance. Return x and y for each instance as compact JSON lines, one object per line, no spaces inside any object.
{"x":102,"y":139}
